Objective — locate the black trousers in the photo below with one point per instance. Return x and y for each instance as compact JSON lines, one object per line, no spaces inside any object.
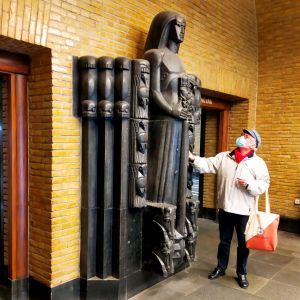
{"x":227,"y":223}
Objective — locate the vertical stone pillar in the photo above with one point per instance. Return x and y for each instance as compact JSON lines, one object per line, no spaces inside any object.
{"x":105,"y":165}
{"x":192,"y":205}
{"x":137,"y":161}
{"x":121,"y":163}
{"x":88,"y":97}
{"x":139,"y":132}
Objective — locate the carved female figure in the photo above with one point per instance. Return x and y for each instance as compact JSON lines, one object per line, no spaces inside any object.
{"x":169,"y":110}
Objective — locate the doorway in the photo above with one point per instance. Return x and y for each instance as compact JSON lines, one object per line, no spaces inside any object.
{"x":14,"y":70}
{"x":211,"y":137}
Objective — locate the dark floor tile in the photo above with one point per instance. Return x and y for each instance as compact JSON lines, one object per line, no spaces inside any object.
{"x":293,"y":265}
{"x":288,"y":252}
{"x":216,"y":291}
{"x":201,"y":268}
{"x":262,"y":269}
{"x":159,"y":292}
{"x":230,"y":281}
{"x":271,"y":258}
{"x":288,"y":240}
{"x":288,"y":277}
{"x":279,"y":291}
{"x":265,"y":270}
{"x":185,"y":283}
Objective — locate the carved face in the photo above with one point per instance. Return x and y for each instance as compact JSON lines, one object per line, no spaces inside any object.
{"x":122,"y":109}
{"x":143,"y":88}
{"x":191,"y":135}
{"x":177,"y":30}
{"x":140,"y":182}
{"x":89,"y":108}
{"x":145,"y":77}
{"x":105,"y":109}
{"x":143,"y":102}
{"x":142,"y":142}
{"x":141,"y":187}
{"x":142,"y":138}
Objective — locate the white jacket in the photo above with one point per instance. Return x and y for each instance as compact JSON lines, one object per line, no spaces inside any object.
{"x":232,"y":197}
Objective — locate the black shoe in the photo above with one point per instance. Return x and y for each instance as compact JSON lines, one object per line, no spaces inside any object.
{"x":216,"y":273}
{"x":242,"y":281}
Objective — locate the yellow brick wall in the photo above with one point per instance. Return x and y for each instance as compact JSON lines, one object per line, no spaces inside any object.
{"x":278,"y":108}
{"x":40,"y":166}
{"x":220,"y":47}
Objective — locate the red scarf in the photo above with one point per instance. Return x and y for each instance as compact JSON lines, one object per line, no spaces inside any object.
{"x":238,"y":155}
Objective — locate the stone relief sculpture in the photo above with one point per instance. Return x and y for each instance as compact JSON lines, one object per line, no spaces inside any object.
{"x":159,"y":237}
{"x":138,"y":120}
{"x":139,"y":132}
{"x":165,"y":108}
{"x":173,"y":108}
{"x":140,"y":88}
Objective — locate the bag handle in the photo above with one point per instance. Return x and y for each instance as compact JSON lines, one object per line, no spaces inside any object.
{"x":267,"y":202}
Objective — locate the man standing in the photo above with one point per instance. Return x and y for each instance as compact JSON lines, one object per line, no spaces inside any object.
{"x":242,"y":177}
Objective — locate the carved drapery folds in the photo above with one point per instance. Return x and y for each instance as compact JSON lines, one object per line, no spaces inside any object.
{"x":138,"y":120}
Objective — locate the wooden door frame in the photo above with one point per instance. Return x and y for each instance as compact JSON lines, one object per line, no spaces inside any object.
{"x":16,"y":67}
{"x":222,"y":102}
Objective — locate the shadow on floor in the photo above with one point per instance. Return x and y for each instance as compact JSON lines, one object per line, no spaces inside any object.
{"x":273,"y":276}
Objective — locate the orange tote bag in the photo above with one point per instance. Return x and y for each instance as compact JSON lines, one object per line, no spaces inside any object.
{"x":261,"y":229}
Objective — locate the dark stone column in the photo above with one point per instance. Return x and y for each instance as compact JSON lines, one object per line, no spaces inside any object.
{"x":105,"y":165}
{"x":137,"y":161}
{"x":88,"y":98}
{"x":122,"y":107}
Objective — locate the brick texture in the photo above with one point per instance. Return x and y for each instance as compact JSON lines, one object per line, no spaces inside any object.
{"x":220,"y":47}
{"x":278,"y":109}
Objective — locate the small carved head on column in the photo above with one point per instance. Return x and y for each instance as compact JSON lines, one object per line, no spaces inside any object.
{"x":105,"y":87}
{"x":137,"y":185}
{"x":87,"y":66}
{"x":140,"y":88}
{"x":122,"y":87}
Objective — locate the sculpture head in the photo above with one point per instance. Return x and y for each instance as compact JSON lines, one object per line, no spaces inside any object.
{"x":144,"y":84}
{"x":165,"y":26}
{"x":141,"y":182}
{"x":145,"y":74}
{"x":141,"y":137}
{"x":177,"y":29}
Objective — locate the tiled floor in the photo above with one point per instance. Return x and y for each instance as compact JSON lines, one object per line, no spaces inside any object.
{"x":272,"y":276}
